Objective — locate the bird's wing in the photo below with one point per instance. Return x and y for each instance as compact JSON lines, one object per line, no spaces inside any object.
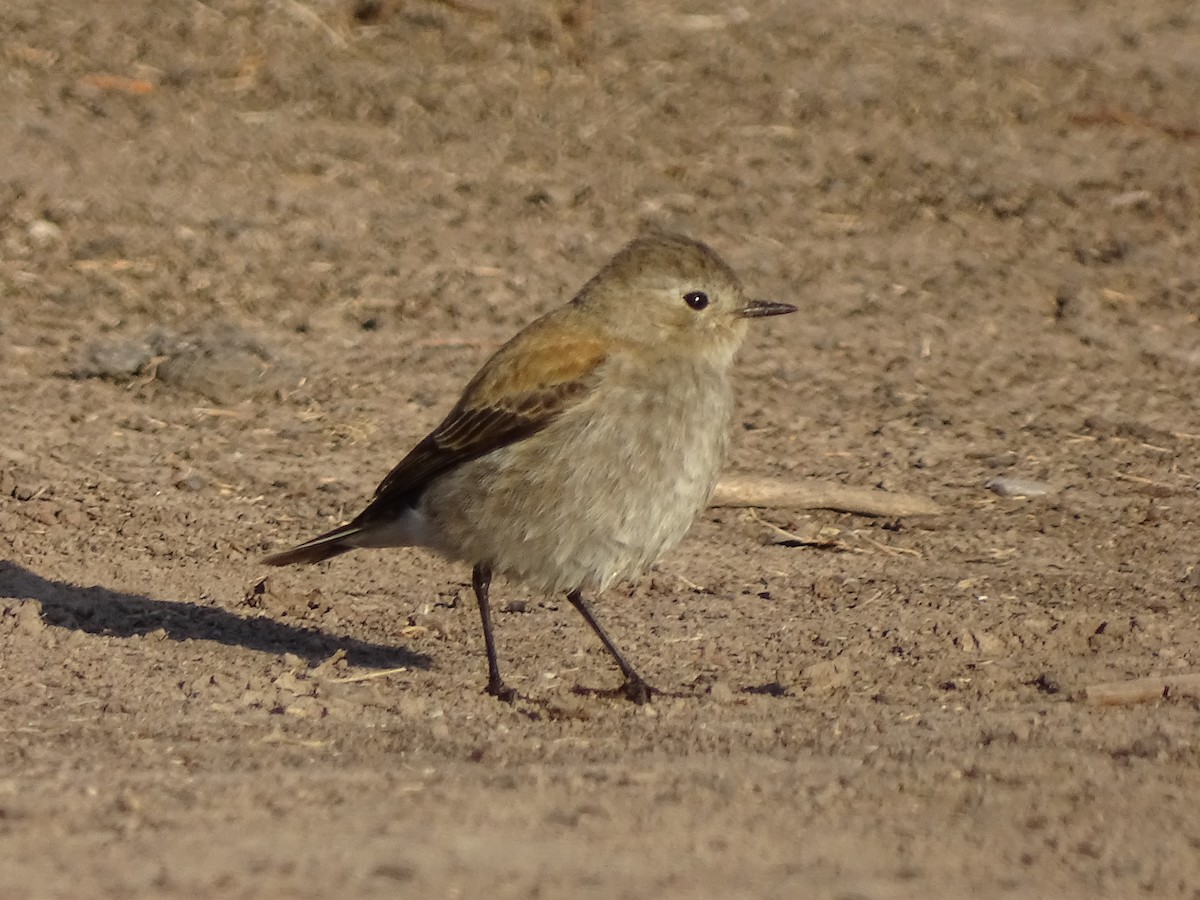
{"x":529,"y":383}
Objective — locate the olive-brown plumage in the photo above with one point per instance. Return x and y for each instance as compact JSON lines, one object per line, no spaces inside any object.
{"x":585,"y":447}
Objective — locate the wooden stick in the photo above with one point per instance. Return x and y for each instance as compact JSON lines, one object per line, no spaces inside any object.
{"x":367,"y":676}
{"x":1144,"y":690}
{"x":776,"y":494}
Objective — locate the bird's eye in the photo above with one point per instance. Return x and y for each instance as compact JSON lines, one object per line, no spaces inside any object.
{"x":696,"y":299}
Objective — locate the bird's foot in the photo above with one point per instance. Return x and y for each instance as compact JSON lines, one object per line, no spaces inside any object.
{"x":501,"y":691}
{"x":637,"y":691}
{"x":634,"y":690}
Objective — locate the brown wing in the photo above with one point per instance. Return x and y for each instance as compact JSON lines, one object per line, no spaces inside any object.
{"x":523,"y":388}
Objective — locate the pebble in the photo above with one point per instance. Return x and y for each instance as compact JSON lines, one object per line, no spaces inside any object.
{"x":289,"y":682}
{"x":226,"y":364}
{"x":1138,"y":199}
{"x":43,"y":233}
{"x":826,"y":675}
{"x":191,"y":483}
{"x":115,"y":359}
{"x":1012,"y":486}
{"x":26,"y":616}
{"x":306,"y":707}
{"x":223,"y":362}
{"x":721,"y":691}
{"x":25,"y":492}
{"x":991,"y":644}
{"x":73,"y":518}
{"x":43,"y":514}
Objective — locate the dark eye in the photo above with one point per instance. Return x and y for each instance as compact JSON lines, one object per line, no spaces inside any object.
{"x":696,"y":299}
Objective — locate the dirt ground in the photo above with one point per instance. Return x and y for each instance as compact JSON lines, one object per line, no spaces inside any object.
{"x":250,"y":252}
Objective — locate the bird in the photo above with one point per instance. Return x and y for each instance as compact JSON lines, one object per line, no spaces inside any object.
{"x":584,"y":448}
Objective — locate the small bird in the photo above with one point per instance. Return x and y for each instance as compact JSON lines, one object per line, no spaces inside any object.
{"x":584,"y":448}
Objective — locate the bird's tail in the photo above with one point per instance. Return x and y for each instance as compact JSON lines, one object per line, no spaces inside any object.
{"x":330,"y":544}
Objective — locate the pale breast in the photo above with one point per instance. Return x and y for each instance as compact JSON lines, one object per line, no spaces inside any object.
{"x":598,"y":495}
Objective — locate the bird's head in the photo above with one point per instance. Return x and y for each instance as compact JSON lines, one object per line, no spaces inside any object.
{"x":672,"y":291}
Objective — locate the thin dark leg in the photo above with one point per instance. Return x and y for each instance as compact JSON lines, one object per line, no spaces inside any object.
{"x":635,"y":688}
{"x":481,"y":578}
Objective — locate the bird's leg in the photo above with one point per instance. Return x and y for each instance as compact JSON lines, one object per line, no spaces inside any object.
{"x":481,"y":578}
{"x":634,"y":688}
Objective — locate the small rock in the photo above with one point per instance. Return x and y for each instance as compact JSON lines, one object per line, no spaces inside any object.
{"x":44,"y":233}
{"x":197,"y":686}
{"x":289,"y":682}
{"x":306,"y":708}
{"x":721,"y":691}
{"x":991,"y":644}
{"x":141,"y":422}
{"x":1151,"y":746}
{"x":392,"y":871}
{"x":127,"y":802}
{"x":25,"y":492}
{"x":967,"y":642}
{"x":73,"y":518}
{"x":43,"y":514}
{"x":226,"y":364}
{"x":336,"y":661}
{"x":825,"y":675}
{"x":1001,"y":460}
{"x":254,"y":597}
{"x":1013,"y":486}
{"x":1141,"y":200}
{"x":1081,"y":315}
{"x":114,"y":359}
{"x":1039,"y":625}
{"x":255,"y":699}
{"x":1103,"y":642}
{"x":26,"y":617}
{"x":1191,"y":576}
{"x":191,"y":483}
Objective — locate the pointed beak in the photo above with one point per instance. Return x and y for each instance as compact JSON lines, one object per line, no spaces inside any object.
{"x":756,"y":309}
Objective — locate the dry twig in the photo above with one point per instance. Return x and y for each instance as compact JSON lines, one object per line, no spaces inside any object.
{"x":775,"y":494}
{"x":1144,"y":690}
{"x":367,"y":676}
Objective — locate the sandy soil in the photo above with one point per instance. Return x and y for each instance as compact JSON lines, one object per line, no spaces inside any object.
{"x":248,"y":254}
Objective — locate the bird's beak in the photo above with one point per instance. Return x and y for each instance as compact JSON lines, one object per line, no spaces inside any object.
{"x":756,"y":309}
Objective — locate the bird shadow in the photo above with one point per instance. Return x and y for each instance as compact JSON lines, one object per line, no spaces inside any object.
{"x":99,"y":610}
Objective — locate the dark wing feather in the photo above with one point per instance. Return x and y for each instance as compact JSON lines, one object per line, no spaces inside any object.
{"x":522,"y":389}
{"x":463,"y":436}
